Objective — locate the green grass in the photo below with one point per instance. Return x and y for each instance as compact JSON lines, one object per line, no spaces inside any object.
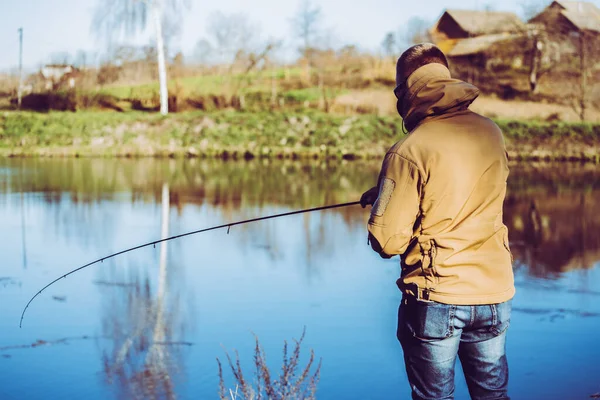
{"x":199,"y":85}
{"x":536,"y":130}
{"x":259,"y":133}
{"x":188,"y":87}
{"x":262,"y":134}
{"x":309,"y":94}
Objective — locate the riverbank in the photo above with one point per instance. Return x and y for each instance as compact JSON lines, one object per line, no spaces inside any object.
{"x":230,"y":134}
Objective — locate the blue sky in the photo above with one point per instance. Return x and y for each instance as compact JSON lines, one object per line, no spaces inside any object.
{"x":53,"y":26}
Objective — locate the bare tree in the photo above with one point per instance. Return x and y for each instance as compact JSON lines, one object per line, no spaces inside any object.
{"x":389,"y":44}
{"x":60,"y":57}
{"x":142,"y":356}
{"x":81,"y":59}
{"x":115,"y":17}
{"x":171,"y":28}
{"x":204,"y":52}
{"x":107,"y":74}
{"x":234,"y":42}
{"x":232,"y":33}
{"x":415,"y":31}
{"x":307,"y":26}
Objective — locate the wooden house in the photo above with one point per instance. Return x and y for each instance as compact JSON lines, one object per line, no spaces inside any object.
{"x":59,"y":76}
{"x":569,"y":18}
{"x":462,"y":24}
{"x":565,"y":24}
{"x":479,"y":39}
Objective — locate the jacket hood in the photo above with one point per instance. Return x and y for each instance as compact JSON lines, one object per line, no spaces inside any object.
{"x":431,"y":91}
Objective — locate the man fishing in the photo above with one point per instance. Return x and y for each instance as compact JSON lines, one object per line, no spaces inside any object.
{"x":438,"y":204}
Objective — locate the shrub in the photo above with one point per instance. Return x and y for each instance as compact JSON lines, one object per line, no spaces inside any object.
{"x":288,"y":386}
{"x":59,"y":101}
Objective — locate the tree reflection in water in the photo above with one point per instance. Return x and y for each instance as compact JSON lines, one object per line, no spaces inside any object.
{"x":554,"y":223}
{"x":553,"y":212}
{"x":143,"y":357}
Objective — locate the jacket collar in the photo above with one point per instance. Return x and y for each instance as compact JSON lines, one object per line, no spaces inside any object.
{"x":431,"y":91}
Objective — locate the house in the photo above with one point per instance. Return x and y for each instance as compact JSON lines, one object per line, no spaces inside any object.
{"x":568,"y":36}
{"x":462,"y":24}
{"x":564,"y":25}
{"x":480,"y":39}
{"x":56,"y":76}
{"x":569,"y":18}
{"x":484,"y":44}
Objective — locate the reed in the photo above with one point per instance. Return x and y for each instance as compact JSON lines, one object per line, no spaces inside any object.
{"x":294,"y":382}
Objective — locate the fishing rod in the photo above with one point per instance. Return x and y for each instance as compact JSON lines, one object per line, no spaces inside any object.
{"x":228,"y":226}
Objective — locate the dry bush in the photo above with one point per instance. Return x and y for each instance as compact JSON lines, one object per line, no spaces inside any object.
{"x":8,"y":85}
{"x":43,"y":102}
{"x":287,"y":386}
{"x":108,"y":74}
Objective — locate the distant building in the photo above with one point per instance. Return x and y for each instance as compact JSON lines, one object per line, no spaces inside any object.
{"x":479,"y":39}
{"x":568,"y":17}
{"x":566,"y":30}
{"x":59,"y":76}
{"x":564,"y":35}
{"x":463,"y":24}
{"x":563,"y":24}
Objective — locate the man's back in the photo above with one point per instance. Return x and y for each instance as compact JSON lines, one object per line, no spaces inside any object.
{"x":459,"y":250}
{"x":438,"y":205}
{"x":464,"y":164}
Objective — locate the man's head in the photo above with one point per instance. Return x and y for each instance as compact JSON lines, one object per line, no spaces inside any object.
{"x":413,"y":59}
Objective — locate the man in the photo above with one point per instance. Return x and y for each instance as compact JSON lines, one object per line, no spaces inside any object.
{"x":438,"y":204}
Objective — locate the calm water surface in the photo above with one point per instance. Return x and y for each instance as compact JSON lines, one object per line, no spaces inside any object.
{"x":127,"y":328}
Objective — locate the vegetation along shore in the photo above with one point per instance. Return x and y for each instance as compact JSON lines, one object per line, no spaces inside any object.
{"x":235,"y":134}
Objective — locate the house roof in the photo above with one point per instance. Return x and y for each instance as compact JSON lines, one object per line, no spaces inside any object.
{"x":56,"y":71}
{"x":486,"y":22}
{"x":463,"y":47}
{"x":584,"y":15}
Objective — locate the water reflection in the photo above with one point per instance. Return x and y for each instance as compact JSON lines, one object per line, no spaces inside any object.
{"x":552,"y":211}
{"x":554,"y":225}
{"x":272,"y":277}
{"x":143,"y":327}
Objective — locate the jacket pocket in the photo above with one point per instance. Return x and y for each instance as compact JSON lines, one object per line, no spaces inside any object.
{"x":426,"y":320}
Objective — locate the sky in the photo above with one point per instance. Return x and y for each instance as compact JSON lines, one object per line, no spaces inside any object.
{"x":56,"y":26}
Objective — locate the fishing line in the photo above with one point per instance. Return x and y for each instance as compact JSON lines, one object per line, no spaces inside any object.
{"x":228,"y":226}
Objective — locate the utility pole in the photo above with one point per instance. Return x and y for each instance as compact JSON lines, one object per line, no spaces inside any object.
{"x":20,"y":90}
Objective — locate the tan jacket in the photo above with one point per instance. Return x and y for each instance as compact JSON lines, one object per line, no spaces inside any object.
{"x":441,"y":191}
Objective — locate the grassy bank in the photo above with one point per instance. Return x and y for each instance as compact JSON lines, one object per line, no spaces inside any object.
{"x":260,"y":134}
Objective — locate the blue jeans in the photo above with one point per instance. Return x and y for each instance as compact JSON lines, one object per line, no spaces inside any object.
{"x":433,"y":334}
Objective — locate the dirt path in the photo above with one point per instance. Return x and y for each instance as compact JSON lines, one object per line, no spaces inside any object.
{"x":385,"y":103}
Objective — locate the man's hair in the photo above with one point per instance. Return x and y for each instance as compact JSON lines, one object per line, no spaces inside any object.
{"x":418,"y":56}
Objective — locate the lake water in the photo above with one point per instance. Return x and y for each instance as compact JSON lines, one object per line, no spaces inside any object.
{"x":131,"y":326}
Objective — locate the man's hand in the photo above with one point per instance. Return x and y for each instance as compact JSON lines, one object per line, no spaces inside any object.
{"x":369,"y":197}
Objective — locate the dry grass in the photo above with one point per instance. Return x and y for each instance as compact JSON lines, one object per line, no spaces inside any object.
{"x":529,"y":110}
{"x":382,"y":102}
{"x":343,"y":83}
{"x":287,"y":386}
{"x":378,"y":101}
